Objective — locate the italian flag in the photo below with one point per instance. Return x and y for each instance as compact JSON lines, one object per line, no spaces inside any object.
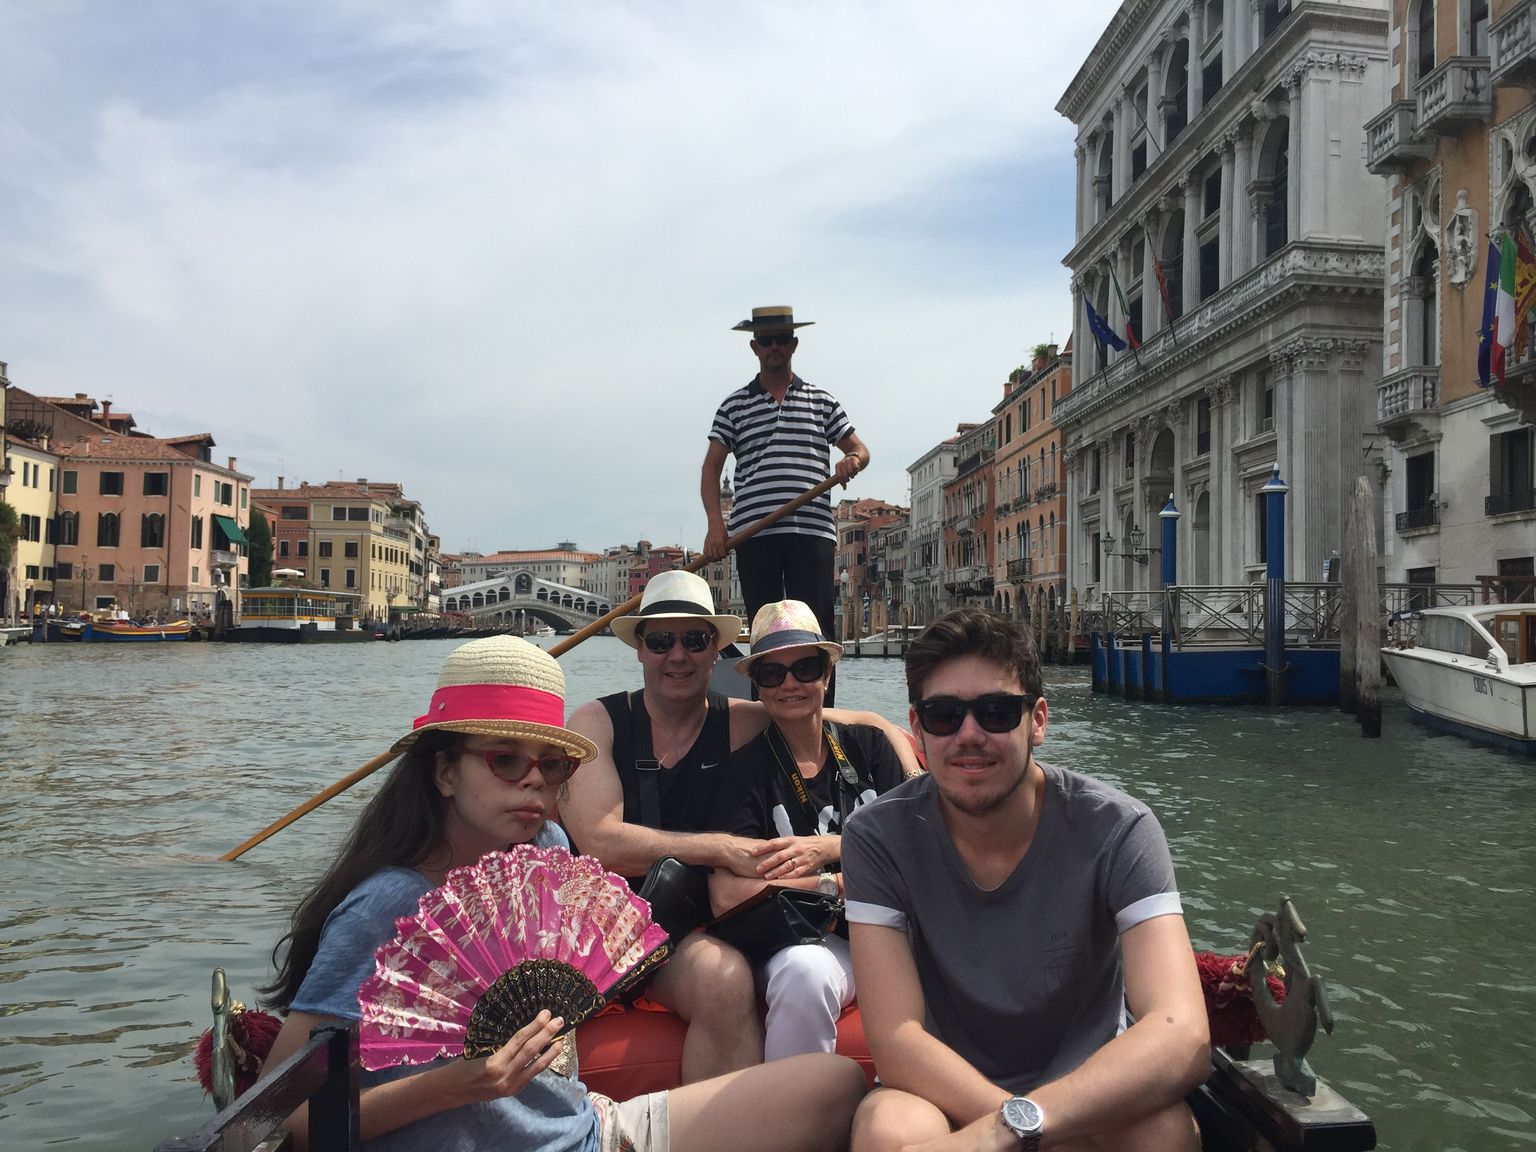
{"x":1504,"y":307}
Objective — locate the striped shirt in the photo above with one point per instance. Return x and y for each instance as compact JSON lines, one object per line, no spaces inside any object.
{"x":781,"y":451}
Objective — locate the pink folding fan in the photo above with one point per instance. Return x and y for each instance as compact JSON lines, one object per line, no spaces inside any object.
{"x":500,"y":940}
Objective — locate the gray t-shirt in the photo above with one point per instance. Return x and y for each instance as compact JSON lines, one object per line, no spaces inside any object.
{"x":551,"y":1114}
{"x":1024,"y":981}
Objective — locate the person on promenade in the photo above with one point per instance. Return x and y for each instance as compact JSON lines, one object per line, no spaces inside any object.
{"x":1004,"y":913}
{"x":780,"y":429}
{"x":482,"y":770}
{"x":792,"y":787}
{"x":629,"y":816}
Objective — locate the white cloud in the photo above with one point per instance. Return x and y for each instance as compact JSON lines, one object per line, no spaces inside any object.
{"x":493,"y":251}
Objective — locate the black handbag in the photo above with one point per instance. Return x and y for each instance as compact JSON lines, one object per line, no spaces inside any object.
{"x":678,"y":894}
{"x":776,"y":918}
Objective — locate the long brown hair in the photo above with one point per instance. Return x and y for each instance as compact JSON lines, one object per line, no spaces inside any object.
{"x":402,"y":826}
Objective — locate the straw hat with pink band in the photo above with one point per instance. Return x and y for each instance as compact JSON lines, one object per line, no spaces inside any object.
{"x":501,"y":686}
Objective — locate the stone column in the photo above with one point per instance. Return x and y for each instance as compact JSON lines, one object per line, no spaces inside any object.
{"x":1156,"y":134}
{"x":1233,"y":42}
{"x":1192,"y":189}
{"x":1196,"y":39}
{"x":1224,"y":507}
{"x":1084,"y":188}
{"x":1294,"y":112}
{"x":1228,"y":200}
{"x":1242,"y":228}
{"x":1119,"y":167}
{"x":1254,"y":30}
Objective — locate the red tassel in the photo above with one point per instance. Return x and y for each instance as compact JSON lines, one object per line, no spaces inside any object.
{"x":250,"y":1038}
{"x":1228,"y":1000}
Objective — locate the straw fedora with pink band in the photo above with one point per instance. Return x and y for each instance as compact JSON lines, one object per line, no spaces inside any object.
{"x":500,"y":686}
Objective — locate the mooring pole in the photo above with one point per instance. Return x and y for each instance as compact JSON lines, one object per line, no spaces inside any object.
{"x":1170,"y":520}
{"x":1274,"y":587}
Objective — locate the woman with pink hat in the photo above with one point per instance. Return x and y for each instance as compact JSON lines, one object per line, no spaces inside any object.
{"x":481,"y":771}
{"x":793,"y":787}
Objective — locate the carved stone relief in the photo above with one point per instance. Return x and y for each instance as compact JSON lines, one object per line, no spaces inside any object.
{"x":1461,"y":241}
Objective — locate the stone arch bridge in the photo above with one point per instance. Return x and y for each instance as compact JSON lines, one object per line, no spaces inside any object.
{"x":500,"y":599}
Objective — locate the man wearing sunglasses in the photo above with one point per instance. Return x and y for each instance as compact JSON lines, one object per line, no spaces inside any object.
{"x":1005,"y":913}
{"x":649,"y":793}
{"x":781,"y":430}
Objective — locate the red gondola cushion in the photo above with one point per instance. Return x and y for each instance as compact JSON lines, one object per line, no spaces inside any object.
{"x":628,"y":1052}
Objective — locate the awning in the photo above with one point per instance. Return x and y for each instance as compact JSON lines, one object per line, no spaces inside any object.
{"x":230,"y":529}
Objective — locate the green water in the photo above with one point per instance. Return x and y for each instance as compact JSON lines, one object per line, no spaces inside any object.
{"x":126,"y":771}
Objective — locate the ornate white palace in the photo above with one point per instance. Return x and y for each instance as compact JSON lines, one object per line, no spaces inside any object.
{"x":1220,"y":143}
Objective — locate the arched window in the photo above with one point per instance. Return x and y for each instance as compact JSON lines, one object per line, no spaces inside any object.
{"x":69,"y":528}
{"x":1421,"y":45}
{"x":107,"y":530}
{"x":152,"y":531}
{"x":1175,"y":102}
{"x":1422,"y":307}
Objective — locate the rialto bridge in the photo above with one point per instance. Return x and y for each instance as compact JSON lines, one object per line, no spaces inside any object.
{"x":500,"y":599}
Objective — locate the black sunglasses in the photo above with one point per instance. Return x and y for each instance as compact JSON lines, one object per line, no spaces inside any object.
{"x":995,"y":712}
{"x":782,"y":339}
{"x":694,"y":640}
{"x":513,"y":766}
{"x":805,"y":670}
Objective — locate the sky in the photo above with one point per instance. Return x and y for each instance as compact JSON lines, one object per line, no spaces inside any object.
{"x":493,"y":250}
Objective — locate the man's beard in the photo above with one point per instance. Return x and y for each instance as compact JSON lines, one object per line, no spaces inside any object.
{"x":974,"y":805}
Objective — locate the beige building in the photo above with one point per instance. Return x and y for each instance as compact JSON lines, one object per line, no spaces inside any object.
{"x":362,"y":537}
{"x":1457,"y":141}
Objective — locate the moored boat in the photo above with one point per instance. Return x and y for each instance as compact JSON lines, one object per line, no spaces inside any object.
{"x":1471,"y":670}
{"x":292,"y":614}
{"x":125,"y":631}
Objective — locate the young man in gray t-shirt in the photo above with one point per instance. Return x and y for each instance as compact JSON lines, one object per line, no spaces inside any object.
{"x":1004,"y":912}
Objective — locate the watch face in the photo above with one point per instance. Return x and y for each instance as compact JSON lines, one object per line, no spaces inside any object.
{"x":1022,"y":1114}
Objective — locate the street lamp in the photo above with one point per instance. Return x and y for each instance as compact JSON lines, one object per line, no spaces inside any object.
{"x":843,"y":582}
{"x":1139,"y":553}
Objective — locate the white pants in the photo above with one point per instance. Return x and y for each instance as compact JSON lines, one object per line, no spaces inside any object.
{"x":807,"y":987}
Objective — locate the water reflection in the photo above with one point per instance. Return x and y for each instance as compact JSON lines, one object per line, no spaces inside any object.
{"x":127,"y":772}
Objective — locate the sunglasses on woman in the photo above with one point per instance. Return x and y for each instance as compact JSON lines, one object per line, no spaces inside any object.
{"x":513,"y":766}
{"x":694,"y":640}
{"x":805,"y":670}
{"x":995,"y":712}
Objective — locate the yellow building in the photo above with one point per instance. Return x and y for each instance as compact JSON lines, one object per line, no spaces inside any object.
{"x":32,"y":492}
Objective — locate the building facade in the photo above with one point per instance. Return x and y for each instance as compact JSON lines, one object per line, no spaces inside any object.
{"x":927,"y":598}
{"x":1456,"y":141}
{"x":969,"y":507}
{"x":1030,"y":520}
{"x":1225,"y":217}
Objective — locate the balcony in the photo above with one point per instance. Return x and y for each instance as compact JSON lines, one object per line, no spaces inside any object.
{"x":1392,"y":143}
{"x":965,"y":525}
{"x":972,"y":580}
{"x":1454,"y":95}
{"x":223,"y":559}
{"x":1417,"y":518}
{"x":1404,"y":397}
{"x":1503,"y":503}
{"x":1512,"y":46}
{"x":1019,"y":569}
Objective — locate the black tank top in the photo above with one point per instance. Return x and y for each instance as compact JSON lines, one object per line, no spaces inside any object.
{"x":687,"y":788}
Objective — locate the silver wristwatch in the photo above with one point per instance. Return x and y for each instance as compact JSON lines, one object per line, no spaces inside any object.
{"x":826,"y":884}
{"x":1025,"y":1119}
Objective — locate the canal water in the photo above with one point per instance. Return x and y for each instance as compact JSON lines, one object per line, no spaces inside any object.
{"x":125,"y":772}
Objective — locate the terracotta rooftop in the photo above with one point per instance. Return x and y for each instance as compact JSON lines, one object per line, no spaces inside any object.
{"x":112,"y":446}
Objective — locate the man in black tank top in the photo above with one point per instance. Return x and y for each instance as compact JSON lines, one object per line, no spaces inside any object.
{"x":650,"y":791}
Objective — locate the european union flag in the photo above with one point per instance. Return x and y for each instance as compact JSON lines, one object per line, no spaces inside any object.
{"x":1490,"y":303}
{"x":1102,"y":332}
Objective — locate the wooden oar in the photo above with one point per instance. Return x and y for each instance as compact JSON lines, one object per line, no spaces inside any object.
{"x":559,"y":649}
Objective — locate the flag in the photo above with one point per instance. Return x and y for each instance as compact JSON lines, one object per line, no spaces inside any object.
{"x":1485,"y":333}
{"x":1162,"y":291}
{"x":1504,"y":308}
{"x":1102,"y":332}
{"x":1125,"y":307}
{"x":1525,"y":287}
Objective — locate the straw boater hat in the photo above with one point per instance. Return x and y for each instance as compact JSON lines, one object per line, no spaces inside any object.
{"x":786,"y":624}
{"x":771,"y":319}
{"x":677,"y":596}
{"x":500,"y":686}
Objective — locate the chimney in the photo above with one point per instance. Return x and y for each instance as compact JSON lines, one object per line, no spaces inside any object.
{"x":231,"y":463}
{"x":279,"y":483}
{"x":106,"y":413}
{"x":362,"y":479}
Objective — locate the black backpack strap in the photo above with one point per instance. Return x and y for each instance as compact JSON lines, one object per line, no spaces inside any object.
{"x":647,"y":767}
{"x":847,"y":775}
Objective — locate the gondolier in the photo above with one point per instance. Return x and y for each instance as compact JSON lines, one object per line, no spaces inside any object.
{"x":780,"y":428}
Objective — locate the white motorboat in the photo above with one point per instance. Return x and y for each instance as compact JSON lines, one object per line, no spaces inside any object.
{"x":1472,"y":670}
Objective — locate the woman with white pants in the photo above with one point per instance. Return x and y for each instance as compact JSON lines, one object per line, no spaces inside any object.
{"x":792,"y":787}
